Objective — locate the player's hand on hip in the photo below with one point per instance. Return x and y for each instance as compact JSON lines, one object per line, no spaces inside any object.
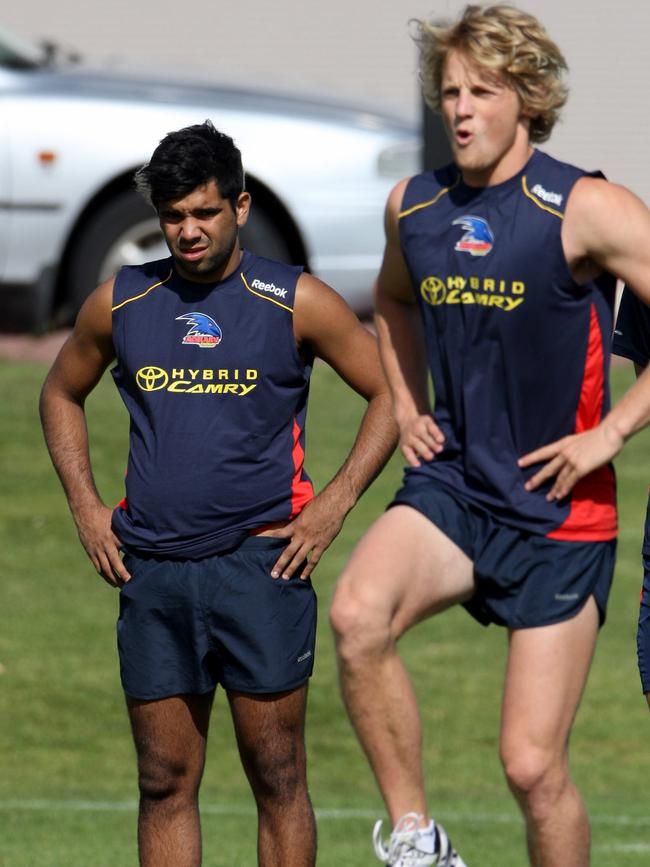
{"x":310,"y":534}
{"x":420,"y":439}
{"x":571,"y":458}
{"x":102,"y":545}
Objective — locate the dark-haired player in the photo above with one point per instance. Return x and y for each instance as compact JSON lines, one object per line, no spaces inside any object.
{"x":214,"y":348}
{"x":497,"y":279}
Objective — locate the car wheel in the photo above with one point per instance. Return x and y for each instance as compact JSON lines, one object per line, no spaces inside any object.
{"x":126,"y":232}
{"x":262,"y":237}
{"x":123,"y":232}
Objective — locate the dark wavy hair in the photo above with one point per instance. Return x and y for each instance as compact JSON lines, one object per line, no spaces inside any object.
{"x":187,"y":159}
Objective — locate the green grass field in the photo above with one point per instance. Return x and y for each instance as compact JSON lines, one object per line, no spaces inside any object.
{"x":67,"y":771}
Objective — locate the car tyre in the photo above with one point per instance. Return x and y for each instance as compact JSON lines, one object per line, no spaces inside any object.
{"x":262,"y":237}
{"x":125,"y":231}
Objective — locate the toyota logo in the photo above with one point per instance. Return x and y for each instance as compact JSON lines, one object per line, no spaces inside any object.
{"x":151,"y":378}
{"x":433,"y":290}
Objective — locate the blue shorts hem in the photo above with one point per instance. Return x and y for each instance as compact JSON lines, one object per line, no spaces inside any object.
{"x":262,"y":690}
{"x":267,"y":690}
{"x":523,"y":579}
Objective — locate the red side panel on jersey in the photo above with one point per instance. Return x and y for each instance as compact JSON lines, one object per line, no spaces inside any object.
{"x":593,"y":500}
{"x":302,"y":490}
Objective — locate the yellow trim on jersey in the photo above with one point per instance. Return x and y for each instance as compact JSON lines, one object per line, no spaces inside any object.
{"x":537,"y":201}
{"x":142,"y":294}
{"x":265,"y":297}
{"x":430,"y":202}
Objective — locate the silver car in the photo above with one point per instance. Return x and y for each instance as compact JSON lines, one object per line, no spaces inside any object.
{"x":70,"y":139}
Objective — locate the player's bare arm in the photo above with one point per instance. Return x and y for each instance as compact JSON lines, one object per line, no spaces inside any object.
{"x":401,"y":345}
{"x":604,"y":230}
{"x":326,"y":328}
{"x":76,"y":371}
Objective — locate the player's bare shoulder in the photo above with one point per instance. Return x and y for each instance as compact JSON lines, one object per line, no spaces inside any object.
{"x":394,"y":203}
{"x":603,"y":222}
{"x":96,"y":314}
{"x":310,"y":290}
{"x":91,"y":343}
{"x":318,"y":309}
{"x":394,"y":280}
{"x":589,"y":197}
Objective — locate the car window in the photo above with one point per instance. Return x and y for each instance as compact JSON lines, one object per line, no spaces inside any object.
{"x":16,"y":53}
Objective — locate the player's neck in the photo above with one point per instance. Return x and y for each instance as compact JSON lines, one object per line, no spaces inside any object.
{"x":216,"y":275}
{"x":505,"y":167}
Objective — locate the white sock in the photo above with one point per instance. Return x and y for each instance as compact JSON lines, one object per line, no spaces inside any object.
{"x":426,"y":838}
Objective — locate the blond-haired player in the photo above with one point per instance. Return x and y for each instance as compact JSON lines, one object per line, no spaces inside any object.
{"x":497,"y":277}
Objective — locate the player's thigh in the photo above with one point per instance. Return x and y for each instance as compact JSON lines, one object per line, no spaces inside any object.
{"x":545,"y":677}
{"x":403,"y":570}
{"x":171,"y":732}
{"x":270,"y":729}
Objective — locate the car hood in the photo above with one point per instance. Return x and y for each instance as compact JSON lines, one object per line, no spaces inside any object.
{"x":88,"y":83}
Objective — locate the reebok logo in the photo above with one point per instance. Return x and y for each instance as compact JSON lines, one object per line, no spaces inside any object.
{"x":269,"y":287}
{"x":552,"y":198}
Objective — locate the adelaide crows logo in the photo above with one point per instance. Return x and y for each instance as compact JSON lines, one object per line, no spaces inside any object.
{"x":204,"y":331}
{"x":478,"y":239}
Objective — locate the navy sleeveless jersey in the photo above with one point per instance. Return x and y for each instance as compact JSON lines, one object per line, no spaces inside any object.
{"x":518,"y":351}
{"x":217,"y":394}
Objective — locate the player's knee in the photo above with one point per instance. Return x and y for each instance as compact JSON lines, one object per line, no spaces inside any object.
{"x":357,"y":628}
{"x":277,"y":776}
{"x":343,"y":614}
{"x":160,"y":779}
{"x":535,"y":776}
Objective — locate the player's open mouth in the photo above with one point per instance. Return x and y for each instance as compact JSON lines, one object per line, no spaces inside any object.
{"x":194,"y":253}
{"x":463,"y":136}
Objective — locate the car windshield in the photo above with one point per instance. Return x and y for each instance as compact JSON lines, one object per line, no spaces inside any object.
{"x":18,"y":54}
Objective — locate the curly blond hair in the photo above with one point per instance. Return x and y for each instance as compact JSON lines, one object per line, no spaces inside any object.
{"x":504,"y":41}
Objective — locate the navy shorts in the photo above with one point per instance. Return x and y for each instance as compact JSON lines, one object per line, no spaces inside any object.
{"x":643,"y":629}
{"x":522,"y":579}
{"x":187,"y":625}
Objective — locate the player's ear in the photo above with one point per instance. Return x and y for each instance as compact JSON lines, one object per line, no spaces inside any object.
{"x":242,"y":208}
{"x":526,"y":112}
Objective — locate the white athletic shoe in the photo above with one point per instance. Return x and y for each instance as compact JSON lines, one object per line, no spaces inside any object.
{"x":412,"y":846}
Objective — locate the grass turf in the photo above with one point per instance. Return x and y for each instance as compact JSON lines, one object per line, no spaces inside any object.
{"x":67,"y":780}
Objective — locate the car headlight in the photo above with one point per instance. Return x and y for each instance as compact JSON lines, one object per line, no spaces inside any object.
{"x":401,"y":159}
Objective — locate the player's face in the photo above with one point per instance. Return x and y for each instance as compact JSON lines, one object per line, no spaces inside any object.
{"x":201,"y":232}
{"x":487,"y":129}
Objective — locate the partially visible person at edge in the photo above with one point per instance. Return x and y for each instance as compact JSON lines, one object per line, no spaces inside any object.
{"x":497,"y":277}
{"x":220,"y":526}
{"x":632,"y":340}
